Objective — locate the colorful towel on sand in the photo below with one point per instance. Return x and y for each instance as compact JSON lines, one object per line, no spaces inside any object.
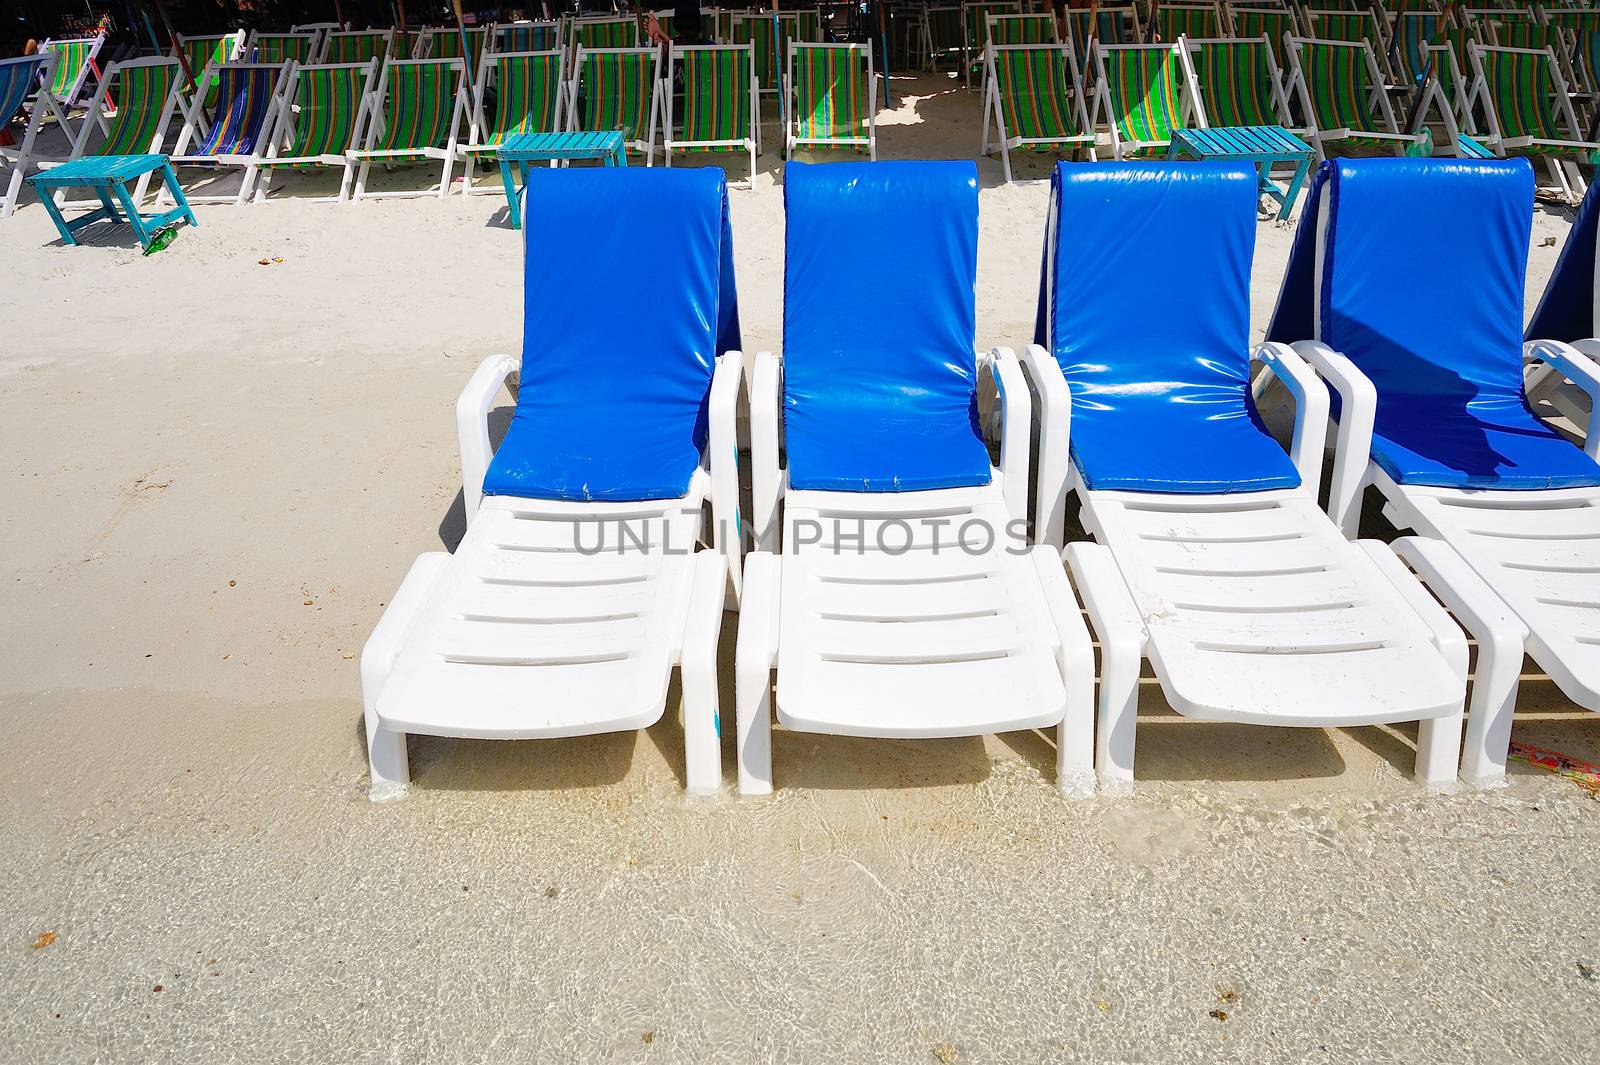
{"x":1581,"y":773}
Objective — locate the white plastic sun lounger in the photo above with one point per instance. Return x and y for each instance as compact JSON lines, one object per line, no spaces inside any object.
{"x":900,"y":599}
{"x":1212,"y":558}
{"x":1434,"y":338}
{"x":577,"y":588}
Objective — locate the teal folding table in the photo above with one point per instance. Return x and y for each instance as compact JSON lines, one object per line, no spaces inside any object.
{"x":522,"y":149}
{"x":1262,"y":145}
{"x":109,"y":175}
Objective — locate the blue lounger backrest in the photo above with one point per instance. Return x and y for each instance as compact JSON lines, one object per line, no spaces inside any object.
{"x":1566,"y":310}
{"x":1414,"y":269}
{"x":1145,"y":303}
{"x":879,"y":373}
{"x":628,"y":300}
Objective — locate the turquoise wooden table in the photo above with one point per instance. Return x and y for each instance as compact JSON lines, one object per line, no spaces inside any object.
{"x":109,"y":175}
{"x":523,"y":149}
{"x":1261,"y":145}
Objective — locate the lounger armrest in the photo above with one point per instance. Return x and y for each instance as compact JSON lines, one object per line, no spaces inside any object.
{"x":724,"y":445}
{"x":1352,"y":448}
{"x":1055,"y":425}
{"x":1016,"y":425}
{"x":766,"y":386}
{"x":1310,"y":409}
{"x":472,"y":426}
{"x":1579,"y":368}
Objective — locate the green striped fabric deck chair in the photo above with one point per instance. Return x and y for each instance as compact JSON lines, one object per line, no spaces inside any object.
{"x":1171,"y":21}
{"x":720,"y":102}
{"x":413,"y":115}
{"x":833,"y":97}
{"x":941,"y":34}
{"x":527,"y":36}
{"x":1035,"y":95}
{"x":1272,"y":23}
{"x":529,"y":91}
{"x":74,"y":75}
{"x":1139,"y":97}
{"x":617,"y":89}
{"x":358,"y":46}
{"x":1412,"y":32}
{"x":240,"y":126}
{"x":1529,"y":112}
{"x":19,"y":77}
{"x":1238,"y":83}
{"x":1522,"y":33}
{"x":201,"y":52}
{"x":318,"y":121}
{"x":592,"y":33}
{"x":1022,"y":29}
{"x":756,"y":30}
{"x":1351,"y":26}
{"x":445,"y":43}
{"x":975,"y":31}
{"x":275,"y":49}
{"x":1339,"y":86}
{"x":146,"y":98}
{"x":1109,"y":24}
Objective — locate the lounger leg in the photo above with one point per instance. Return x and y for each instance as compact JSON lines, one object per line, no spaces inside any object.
{"x":754,"y":658}
{"x":702,"y":731}
{"x":386,"y":750}
{"x":1439,"y":750}
{"x":1075,"y":659}
{"x":1116,"y":620}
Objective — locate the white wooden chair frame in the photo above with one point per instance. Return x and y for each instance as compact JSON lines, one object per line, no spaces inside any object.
{"x":283,"y":133}
{"x":992,"y":106}
{"x":751,"y":143}
{"x":793,"y":140}
{"x":18,"y":157}
{"x":387,"y":157}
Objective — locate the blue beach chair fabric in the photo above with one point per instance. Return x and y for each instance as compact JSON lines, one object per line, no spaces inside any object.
{"x":645,"y":440}
{"x":1212,"y":558}
{"x":580,"y":558}
{"x":851,"y":420}
{"x":1566,"y":311}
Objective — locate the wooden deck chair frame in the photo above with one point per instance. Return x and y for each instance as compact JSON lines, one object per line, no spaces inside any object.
{"x":934,"y":51}
{"x":249,"y":165}
{"x":992,"y":105}
{"x":284,"y":134}
{"x":475,"y":146}
{"x":252,"y":44}
{"x":96,"y":119}
{"x":645,"y":146}
{"x":972,"y":51}
{"x":19,"y":156}
{"x":793,"y":140}
{"x":1299,"y":91}
{"x":324,"y":58}
{"x":751,"y":143}
{"x":366,"y":156}
{"x":82,"y":80}
{"x":1568,"y":175}
{"x":1454,"y":108}
{"x":1100,"y":100}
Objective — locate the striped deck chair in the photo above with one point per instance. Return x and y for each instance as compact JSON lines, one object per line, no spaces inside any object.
{"x":756,"y":30}
{"x":941,"y":35}
{"x":413,"y":115}
{"x":1238,"y":83}
{"x":527,"y":37}
{"x":1168,"y":22}
{"x":529,"y":97}
{"x":242,"y":120}
{"x":1354,"y":27}
{"x":146,"y":98}
{"x":1523,"y":95}
{"x":1444,"y":86}
{"x":1142,"y":93}
{"x":1339,"y":87}
{"x":718,"y":23}
{"x":445,"y":43}
{"x":74,"y":74}
{"x":275,"y":49}
{"x":1022,"y":29}
{"x":592,"y":33}
{"x":357,"y":46}
{"x":1035,"y":95}
{"x":975,"y":32}
{"x":720,"y":101}
{"x":1411,"y":33}
{"x":617,"y":88}
{"x":1275,"y":24}
{"x":18,"y":78}
{"x":318,"y":122}
{"x":202,"y":51}
{"x":833,"y":97}
{"x":1109,"y":23}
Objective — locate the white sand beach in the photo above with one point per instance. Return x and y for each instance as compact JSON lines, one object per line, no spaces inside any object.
{"x":217,"y":472}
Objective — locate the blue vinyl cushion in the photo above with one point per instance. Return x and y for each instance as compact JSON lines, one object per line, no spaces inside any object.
{"x":1566,"y":310}
{"x":1146,"y":305}
{"x":1421,"y":286}
{"x":628,"y":300}
{"x":879,"y":375}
